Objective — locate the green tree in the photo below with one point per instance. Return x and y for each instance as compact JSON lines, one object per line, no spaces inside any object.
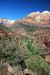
{"x":37,"y":64}
{"x":31,"y":48}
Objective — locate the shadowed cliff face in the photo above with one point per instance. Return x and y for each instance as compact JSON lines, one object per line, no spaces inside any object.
{"x":43,"y":37}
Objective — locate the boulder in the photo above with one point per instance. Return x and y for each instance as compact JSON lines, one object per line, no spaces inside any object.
{"x":28,"y":72}
{"x":7,"y":69}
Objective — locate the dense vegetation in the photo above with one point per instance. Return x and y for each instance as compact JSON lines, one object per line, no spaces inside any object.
{"x":20,"y":51}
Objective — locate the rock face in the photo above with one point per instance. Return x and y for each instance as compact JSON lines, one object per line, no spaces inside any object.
{"x":7,"y":69}
{"x":37,"y":18}
{"x":47,"y":58}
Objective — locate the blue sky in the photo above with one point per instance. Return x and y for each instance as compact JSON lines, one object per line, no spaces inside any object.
{"x":16,"y":9}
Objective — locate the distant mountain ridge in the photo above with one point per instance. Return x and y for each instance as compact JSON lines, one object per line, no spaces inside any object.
{"x":34,"y":18}
{"x":6,"y":22}
{"x":37,"y":18}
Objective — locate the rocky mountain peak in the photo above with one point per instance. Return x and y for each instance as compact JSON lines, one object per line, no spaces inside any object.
{"x":6,"y":22}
